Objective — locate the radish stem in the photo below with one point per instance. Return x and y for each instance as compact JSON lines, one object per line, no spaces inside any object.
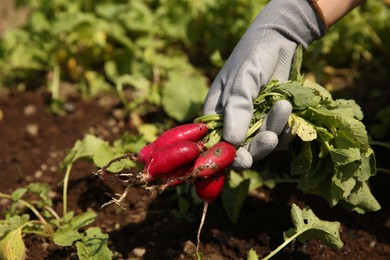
{"x":286,"y":242}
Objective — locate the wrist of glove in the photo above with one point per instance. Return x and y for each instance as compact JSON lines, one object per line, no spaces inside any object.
{"x":264,"y":52}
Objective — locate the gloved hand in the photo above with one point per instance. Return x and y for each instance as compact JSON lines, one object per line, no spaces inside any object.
{"x":264,"y":52}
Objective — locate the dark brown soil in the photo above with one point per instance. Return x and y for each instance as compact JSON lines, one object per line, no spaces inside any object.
{"x":33,"y":143}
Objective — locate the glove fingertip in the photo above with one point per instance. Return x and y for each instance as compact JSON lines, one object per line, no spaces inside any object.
{"x":243,"y":159}
{"x":263,"y":144}
{"x":277,"y":117}
{"x":236,"y":124}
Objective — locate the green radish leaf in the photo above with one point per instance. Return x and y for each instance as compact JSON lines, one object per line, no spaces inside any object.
{"x":301,"y":97}
{"x":13,"y":223}
{"x":109,"y":10}
{"x":349,"y":130}
{"x":129,"y":143}
{"x":4,"y":229}
{"x":309,"y":226}
{"x":138,"y":82}
{"x":302,"y":128}
{"x":348,"y":108}
{"x":42,"y":190}
{"x":83,"y":219}
{"x":295,"y":73}
{"x":106,"y":153}
{"x":252,"y":255}
{"x":12,"y":245}
{"x":18,"y":193}
{"x":183,"y":95}
{"x":233,"y":197}
{"x":342,"y":157}
{"x":325,"y":95}
{"x":85,"y":148}
{"x":93,"y":245}
{"x":332,"y":154}
{"x":97,"y":83}
{"x":255,"y":179}
{"x":341,"y":188}
{"x":234,"y":179}
{"x":216,"y":59}
{"x":148,"y":131}
{"x":361,"y":199}
{"x":99,"y":151}
{"x":367,"y":168}
{"x":68,"y":217}
{"x":236,"y":190}
{"x":16,"y":222}
{"x":66,"y":236}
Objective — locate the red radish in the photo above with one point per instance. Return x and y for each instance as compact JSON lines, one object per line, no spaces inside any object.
{"x":208,"y":189}
{"x":145,"y":152}
{"x":187,"y":132}
{"x":170,"y":158}
{"x":216,"y":158}
{"x":173,"y":180}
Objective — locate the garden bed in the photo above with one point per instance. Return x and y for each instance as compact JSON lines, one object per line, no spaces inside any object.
{"x":33,"y":145}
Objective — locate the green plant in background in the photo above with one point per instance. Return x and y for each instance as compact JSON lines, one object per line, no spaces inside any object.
{"x":146,"y":47}
{"x":360,"y":37}
{"x":153,"y":51}
{"x":66,"y":230}
{"x":307,"y":226}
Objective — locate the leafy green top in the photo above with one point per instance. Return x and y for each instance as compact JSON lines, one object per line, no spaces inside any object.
{"x":333,"y":158}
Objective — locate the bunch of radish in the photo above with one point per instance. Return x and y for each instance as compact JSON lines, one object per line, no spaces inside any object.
{"x":181,"y":154}
{"x":186,"y":153}
{"x":191,"y":153}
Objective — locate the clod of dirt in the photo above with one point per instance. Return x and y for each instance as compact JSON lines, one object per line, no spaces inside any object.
{"x":139,"y":251}
{"x":32,"y":129}
{"x":29,"y":110}
{"x":189,"y":248}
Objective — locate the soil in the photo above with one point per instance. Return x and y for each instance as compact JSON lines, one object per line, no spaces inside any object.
{"x":34,"y":142}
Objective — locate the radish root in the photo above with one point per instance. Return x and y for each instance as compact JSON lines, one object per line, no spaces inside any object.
{"x":205,"y":206}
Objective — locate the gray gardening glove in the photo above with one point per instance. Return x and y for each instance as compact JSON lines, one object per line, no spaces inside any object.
{"x":264,"y":52}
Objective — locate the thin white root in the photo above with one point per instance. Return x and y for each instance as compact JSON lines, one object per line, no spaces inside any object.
{"x":127,"y":175}
{"x":118,"y":201}
{"x":205,"y":206}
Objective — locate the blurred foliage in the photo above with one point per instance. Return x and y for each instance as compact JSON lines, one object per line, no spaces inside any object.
{"x":360,"y":37}
{"x":148,"y":50}
{"x":148,"y":47}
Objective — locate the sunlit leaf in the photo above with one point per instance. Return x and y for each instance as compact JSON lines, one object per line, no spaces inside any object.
{"x":83,"y":148}
{"x":252,"y":255}
{"x":309,"y":226}
{"x":300,"y":127}
{"x":12,"y":245}
{"x":149,"y":132}
{"x":183,"y":95}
